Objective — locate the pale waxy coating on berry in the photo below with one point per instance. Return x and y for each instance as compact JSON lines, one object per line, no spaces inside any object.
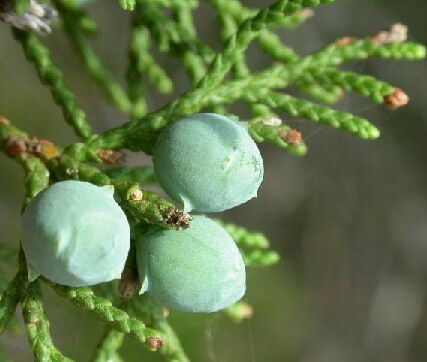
{"x":198,"y":269}
{"x":75,"y":234}
{"x":208,"y":163}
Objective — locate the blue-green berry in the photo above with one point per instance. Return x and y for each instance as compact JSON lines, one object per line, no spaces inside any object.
{"x":199,"y":269}
{"x":208,"y":162}
{"x":75,"y":234}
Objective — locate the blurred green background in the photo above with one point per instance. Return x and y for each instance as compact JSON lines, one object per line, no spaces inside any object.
{"x":349,"y":219}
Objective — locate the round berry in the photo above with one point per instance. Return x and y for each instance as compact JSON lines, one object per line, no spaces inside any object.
{"x":208,"y":162}
{"x":75,"y":234}
{"x":198,"y":269}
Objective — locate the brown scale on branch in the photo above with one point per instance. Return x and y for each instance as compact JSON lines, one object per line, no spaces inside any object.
{"x":149,"y":207}
{"x":17,"y":143}
{"x":44,"y":149}
{"x":397,"y":33}
{"x":109,"y":157}
{"x":346,"y":40}
{"x":154,"y":343}
{"x":176,"y":218}
{"x":291,"y":137}
{"x":397,"y":99}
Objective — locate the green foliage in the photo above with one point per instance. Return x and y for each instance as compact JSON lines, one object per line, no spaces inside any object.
{"x":103,"y":309}
{"x":142,"y":175}
{"x":239,"y":312}
{"x":37,"y":326}
{"x":127,"y":4}
{"x":301,"y":108}
{"x":10,"y":298}
{"x":107,"y":349}
{"x":245,"y":238}
{"x":20,"y":6}
{"x":37,"y":53}
{"x":253,"y":246}
{"x":93,"y":63}
{"x":8,"y":254}
{"x":219,"y":78}
{"x":147,"y":309}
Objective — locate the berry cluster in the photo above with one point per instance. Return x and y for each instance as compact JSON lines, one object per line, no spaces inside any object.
{"x":76,"y":234}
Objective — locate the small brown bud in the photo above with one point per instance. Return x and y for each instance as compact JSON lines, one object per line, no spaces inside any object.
{"x":15,"y":146}
{"x":4,"y":121}
{"x":341,"y":93}
{"x":47,"y":150}
{"x":291,"y":137}
{"x":136,"y":195}
{"x":397,"y":99}
{"x":305,"y":14}
{"x":154,"y":343}
{"x":397,"y":33}
{"x":346,"y":40}
{"x":109,"y":157}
